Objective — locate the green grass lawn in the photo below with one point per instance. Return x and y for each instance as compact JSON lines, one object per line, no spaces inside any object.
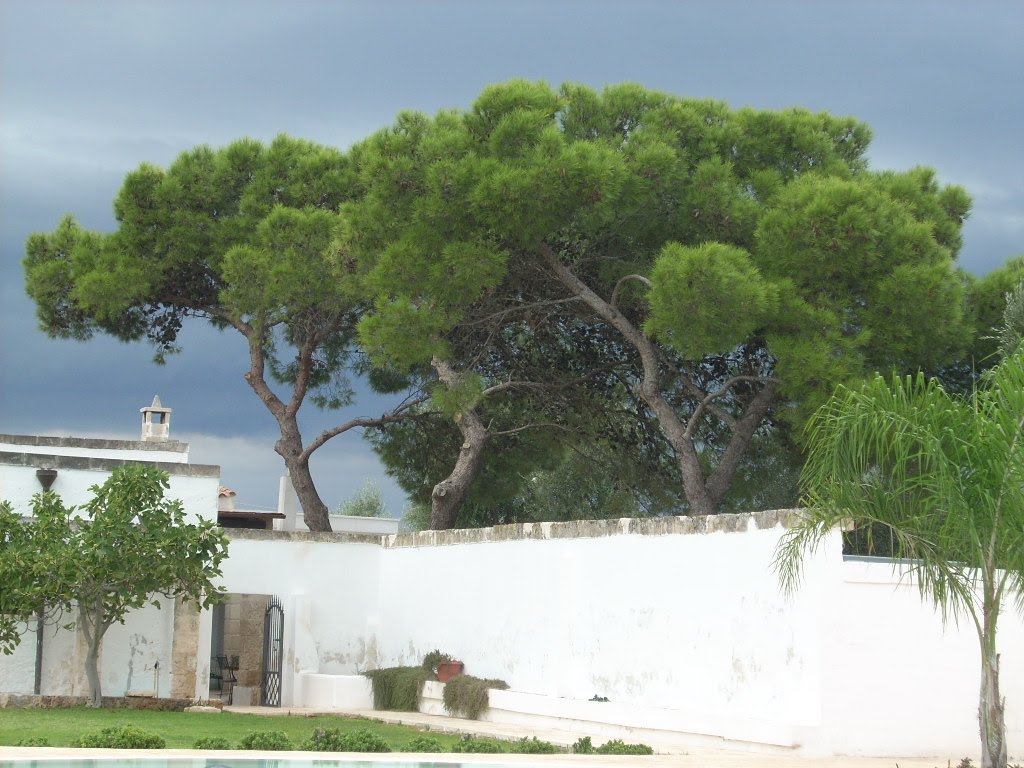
{"x":181,"y":729}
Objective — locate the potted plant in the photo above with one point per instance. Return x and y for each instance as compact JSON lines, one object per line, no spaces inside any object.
{"x":449,"y":669}
{"x":441,"y":666}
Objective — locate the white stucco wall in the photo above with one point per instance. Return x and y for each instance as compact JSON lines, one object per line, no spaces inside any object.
{"x":171,"y":451}
{"x":127,"y":659}
{"x":691,"y":622}
{"x":329,"y":585}
{"x":684,"y":633}
{"x":898,"y":678}
{"x":194,"y":484}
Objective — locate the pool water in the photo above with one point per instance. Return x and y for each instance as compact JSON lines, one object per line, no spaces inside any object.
{"x":115,"y":762}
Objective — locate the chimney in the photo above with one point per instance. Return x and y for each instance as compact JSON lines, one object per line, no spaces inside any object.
{"x":156,"y":422}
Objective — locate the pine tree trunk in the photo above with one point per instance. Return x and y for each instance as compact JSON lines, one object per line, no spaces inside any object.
{"x":448,"y":495}
{"x":704,"y":494}
{"x":314,"y":511}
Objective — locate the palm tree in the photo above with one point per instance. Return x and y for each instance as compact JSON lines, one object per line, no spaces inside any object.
{"x":946,"y":476}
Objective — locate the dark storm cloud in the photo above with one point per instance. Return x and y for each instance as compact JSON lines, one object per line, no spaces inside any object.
{"x":90,"y":89}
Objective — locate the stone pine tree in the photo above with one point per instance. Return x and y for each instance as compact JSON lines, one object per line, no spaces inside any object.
{"x":748,"y":260}
{"x":239,"y":237}
{"x":124,"y":549}
{"x":943,"y":474}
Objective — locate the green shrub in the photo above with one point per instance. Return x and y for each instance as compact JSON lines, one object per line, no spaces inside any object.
{"x":467,"y":696}
{"x":583,"y":746}
{"x":333,"y":740}
{"x":211,"y":742}
{"x":619,"y":747}
{"x":469,"y":744}
{"x":397,"y":688}
{"x":266,"y":740}
{"x":433,"y":661}
{"x":324,"y":740}
{"x":534,"y":747}
{"x":364,"y":740}
{"x":424,"y":744}
{"x":121,"y":737}
{"x":33,"y":741}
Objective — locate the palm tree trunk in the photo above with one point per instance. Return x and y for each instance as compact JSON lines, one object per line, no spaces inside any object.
{"x":990,"y":709}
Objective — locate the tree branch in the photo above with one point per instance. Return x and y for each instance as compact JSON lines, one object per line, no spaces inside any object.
{"x":398,"y":414}
{"x":705,"y":403}
{"x":615,"y":291}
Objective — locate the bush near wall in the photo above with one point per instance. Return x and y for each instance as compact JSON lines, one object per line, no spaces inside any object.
{"x":467,"y":696}
{"x":397,"y":689}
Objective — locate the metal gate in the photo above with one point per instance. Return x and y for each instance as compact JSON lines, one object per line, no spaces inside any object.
{"x":273,"y":640}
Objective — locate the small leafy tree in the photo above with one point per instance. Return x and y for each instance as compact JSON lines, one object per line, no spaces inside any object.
{"x":368,"y":502}
{"x":946,"y":476}
{"x":122,"y":550}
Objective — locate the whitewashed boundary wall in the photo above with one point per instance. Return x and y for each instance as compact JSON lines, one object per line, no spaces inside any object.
{"x":329,"y":586}
{"x":678,"y":621}
{"x":896,"y":676}
{"x":678,"y":613}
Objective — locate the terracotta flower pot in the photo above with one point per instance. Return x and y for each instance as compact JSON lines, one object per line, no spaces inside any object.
{"x":448,"y":670}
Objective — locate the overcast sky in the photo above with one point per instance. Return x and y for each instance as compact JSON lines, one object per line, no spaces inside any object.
{"x":90,"y":89}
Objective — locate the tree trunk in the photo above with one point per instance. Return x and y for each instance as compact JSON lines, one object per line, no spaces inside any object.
{"x":448,"y":495}
{"x":703,"y":494}
{"x":90,"y":624}
{"x":314,"y":511}
{"x":991,"y":706}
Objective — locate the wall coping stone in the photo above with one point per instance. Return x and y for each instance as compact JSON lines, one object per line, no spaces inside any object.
{"x":589,"y":529}
{"x":46,"y":441}
{"x":94,"y":464}
{"x":571,"y":529}
{"x":257,"y":534}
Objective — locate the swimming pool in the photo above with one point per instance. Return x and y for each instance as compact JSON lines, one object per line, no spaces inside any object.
{"x":120,"y":762}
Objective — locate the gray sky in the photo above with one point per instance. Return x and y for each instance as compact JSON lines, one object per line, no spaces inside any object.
{"x":89,"y":89}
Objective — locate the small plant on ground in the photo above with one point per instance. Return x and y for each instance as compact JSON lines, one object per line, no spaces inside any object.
{"x":324,"y":740}
{"x":534,"y":746}
{"x":619,"y":747}
{"x":333,"y":740}
{"x":424,"y":744}
{"x":397,"y":688}
{"x":121,"y":737}
{"x":33,"y":741}
{"x":270,"y":741}
{"x":583,"y":746}
{"x":432,"y":662}
{"x":211,"y":742}
{"x":470,"y":744}
{"x":364,"y":740}
{"x":467,"y":696}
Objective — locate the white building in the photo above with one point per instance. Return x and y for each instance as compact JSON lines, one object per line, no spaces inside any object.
{"x":142,"y":653}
